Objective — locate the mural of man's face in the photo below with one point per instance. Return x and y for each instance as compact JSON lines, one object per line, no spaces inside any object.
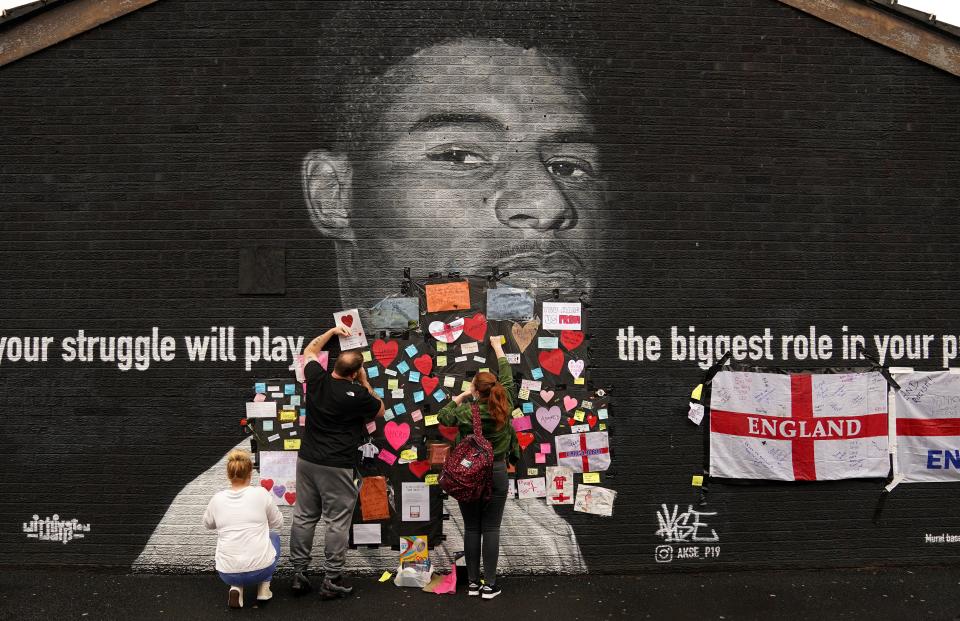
{"x":478,"y":154}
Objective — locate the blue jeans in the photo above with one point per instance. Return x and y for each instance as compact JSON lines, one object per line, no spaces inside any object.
{"x":248,"y":578}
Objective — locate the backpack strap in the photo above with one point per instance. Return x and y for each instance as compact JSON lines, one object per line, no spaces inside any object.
{"x":475,"y":412}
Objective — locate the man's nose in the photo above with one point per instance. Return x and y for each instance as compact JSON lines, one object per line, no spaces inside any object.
{"x":531,"y":199}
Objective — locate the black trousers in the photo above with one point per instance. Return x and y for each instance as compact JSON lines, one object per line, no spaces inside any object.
{"x":481,"y":521}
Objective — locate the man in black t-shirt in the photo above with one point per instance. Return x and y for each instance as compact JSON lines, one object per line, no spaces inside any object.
{"x":339,"y":406}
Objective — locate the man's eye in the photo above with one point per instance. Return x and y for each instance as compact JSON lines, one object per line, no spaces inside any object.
{"x":569,"y":169}
{"x":457,"y":156}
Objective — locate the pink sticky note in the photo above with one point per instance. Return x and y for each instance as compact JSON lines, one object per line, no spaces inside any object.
{"x":540,"y":458}
{"x":416,"y":415}
{"x":522,"y":423}
{"x":372,"y":426}
{"x":387,"y":456}
{"x":545,"y":448}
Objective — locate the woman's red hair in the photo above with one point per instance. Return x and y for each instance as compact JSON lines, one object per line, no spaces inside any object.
{"x":492,"y":392}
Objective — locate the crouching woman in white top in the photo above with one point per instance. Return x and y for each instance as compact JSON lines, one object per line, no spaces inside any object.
{"x":247,"y":550}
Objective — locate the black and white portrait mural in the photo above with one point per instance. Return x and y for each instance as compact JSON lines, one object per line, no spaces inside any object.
{"x":625,"y":191}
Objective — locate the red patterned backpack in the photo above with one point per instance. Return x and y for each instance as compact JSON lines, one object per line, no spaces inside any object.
{"x":467,"y":473}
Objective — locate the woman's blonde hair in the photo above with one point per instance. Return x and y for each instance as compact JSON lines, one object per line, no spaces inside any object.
{"x":239,"y":465}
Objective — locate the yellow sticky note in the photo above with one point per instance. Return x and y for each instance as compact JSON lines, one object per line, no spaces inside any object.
{"x":366,"y":356}
{"x":602,"y":427}
{"x":465,"y":386}
{"x":292,"y":444}
{"x":697,"y":392}
{"x":385,"y":576}
{"x":288,"y":415}
{"x":532,"y":472}
{"x":591,"y":477}
{"x":503,"y":340}
{"x":430,"y":420}
{"x":409,"y":454}
{"x":578,"y":416}
{"x":449,"y":381}
{"x":441,"y":361}
{"x":393,"y":384}
{"x":430,"y":479}
{"x":579,"y":381}
{"x":517,"y":413}
{"x":484,"y":370}
{"x":697,"y":480}
{"x":441,"y":346}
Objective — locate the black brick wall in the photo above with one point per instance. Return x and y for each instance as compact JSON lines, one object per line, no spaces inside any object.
{"x":766,"y":170}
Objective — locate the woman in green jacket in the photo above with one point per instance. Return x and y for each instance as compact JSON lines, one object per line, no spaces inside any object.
{"x":482,"y":518}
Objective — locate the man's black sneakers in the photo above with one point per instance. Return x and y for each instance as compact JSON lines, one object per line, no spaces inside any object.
{"x":473,"y":589}
{"x":301,"y":584}
{"x":489,"y":591}
{"x":332,"y":589}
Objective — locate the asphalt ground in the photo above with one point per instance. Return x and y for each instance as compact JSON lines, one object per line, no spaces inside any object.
{"x":823,"y":595}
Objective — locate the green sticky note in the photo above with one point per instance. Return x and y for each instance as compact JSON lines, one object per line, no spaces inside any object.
{"x":366,"y":356}
{"x":465,"y":386}
{"x":393,"y":384}
{"x":441,"y":361}
{"x":441,"y":346}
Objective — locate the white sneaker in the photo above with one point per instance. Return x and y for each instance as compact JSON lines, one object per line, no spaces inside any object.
{"x":263,"y":592}
{"x":235,"y":597}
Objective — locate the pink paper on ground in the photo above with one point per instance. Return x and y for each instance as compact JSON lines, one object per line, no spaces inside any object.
{"x":522,"y":423}
{"x":448,"y":584}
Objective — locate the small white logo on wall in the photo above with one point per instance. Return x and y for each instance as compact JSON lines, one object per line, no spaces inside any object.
{"x":52,"y":529}
{"x":689,"y":528}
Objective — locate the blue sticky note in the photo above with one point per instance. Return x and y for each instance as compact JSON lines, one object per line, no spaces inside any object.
{"x":260,"y":387}
{"x":403,"y":367}
{"x":602,"y":413}
{"x":400,"y":409}
{"x":411,"y":350}
{"x":267,"y":424}
{"x":388,"y":414}
{"x":289,"y":389}
{"x":295,"y":400}
{"x":303,"y":411}
{"x":418,"y":396}
{"x":536,"y":373}
{"x":414,"y":376}
{"x":439,"y":395}
{"x":379,"y":392}
{"x":373,"y":372}
{"x":527,"y":407}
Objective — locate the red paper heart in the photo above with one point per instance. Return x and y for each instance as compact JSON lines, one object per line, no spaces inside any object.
{"x":571,"y":421}
{"x":450,"y":433}
{"x":571,"y":339}
{"x":525,"y":439}
{"x":347,"y":320}
{"x":419,"y":468}
{"x":552,"y":360}
{"x":591,"y":420}
{"x":266,"y":484}
{"x":475,"y":327}
{"x":290,"y":497}
{"x":385,"y":351}
{"x":429,"y":383}
{"x":424,"y":364}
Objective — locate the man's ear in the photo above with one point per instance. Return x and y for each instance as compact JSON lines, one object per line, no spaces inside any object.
{"x":326,"y":187}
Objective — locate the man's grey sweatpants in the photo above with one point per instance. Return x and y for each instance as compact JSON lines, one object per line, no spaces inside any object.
{"x":330,"y":493}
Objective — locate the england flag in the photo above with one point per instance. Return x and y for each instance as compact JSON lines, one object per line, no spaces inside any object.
{"x":800,"y":427}
{"x":928,"y":426}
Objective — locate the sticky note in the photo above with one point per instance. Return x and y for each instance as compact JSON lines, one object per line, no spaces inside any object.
{"x":587,"y":405}
{"x":387,"y":456}
{"x":396,"y":394}
{"x":479,"y":359}
{"x":578,"y":416}
{"x":409,"y":454}
{"x":414,"y":376}
{"x":441,"y":346}
{"x":411,"y":350}
{"x":465,"y":385}
{"x":439,"y":395}
{"x":697,"y":480}
{"x":513,"y":358}
{"x":431,"y":479}
{"x":516,"y":413}
{"x":388,"y":414}
{"x":460,"y":359}
{"x":449,"y":381}
{"x":286,"y":415}
{"x":291,"y":445}
{"x":527,"y":407}
{"x":547,"y":342}
{"x":303,"y":420}
{"x":536,"y":373}
{"x":403,"y":367}
{"x":286,"y":426}
{"x":523,"y":393}
{"x":602,"y":427}
{"x":273,"y":388}
{"x":540,"y":458}
{"x":696,"y":392}
{"x":441,"y":361}
{"x":295,"y":400}
{"x":367,"y":357}
{"x":390,"y":372}
{"x":602,"y":414}
{"x":385,"y":576}
{"x":400,"y":409}
{"x":430,"y":420}
{"x":268,"y":425}
{"x":469,"y":348}
{"x":289,"y":389}
{"x":379,"y":392}
{"x":579,"y":381}
{"x":416,"y":415}
{"x":522,"y":424}
{"x":372,"y":427}
{"x":591,"y":477}
{"x":418,"y":396}
{"x":503,"y":340}
{"x":373,"y":372}
{"x":532,"y":472}
{"x":273,"y":438}
{"x":483,"y":370}
{"x":393,"y":384}
{"x":277,"y":395}
{"x":546,"y":448}
{"x":260,"y":387}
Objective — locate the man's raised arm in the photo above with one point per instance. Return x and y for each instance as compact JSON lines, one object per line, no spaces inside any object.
{"x":313,"y":348}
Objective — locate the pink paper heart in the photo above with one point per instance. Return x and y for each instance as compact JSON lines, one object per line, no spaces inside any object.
{"x":549,"y":418}
{"x":576,"y":368}
{"x":396,"y":434}
{"x":569,"y":403}
{"x":546,"y":395}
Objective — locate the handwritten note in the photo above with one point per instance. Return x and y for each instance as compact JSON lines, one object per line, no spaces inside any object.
{"x":350,"y":319}
{"x":448,"y":296}
{"x":561,"y":316}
